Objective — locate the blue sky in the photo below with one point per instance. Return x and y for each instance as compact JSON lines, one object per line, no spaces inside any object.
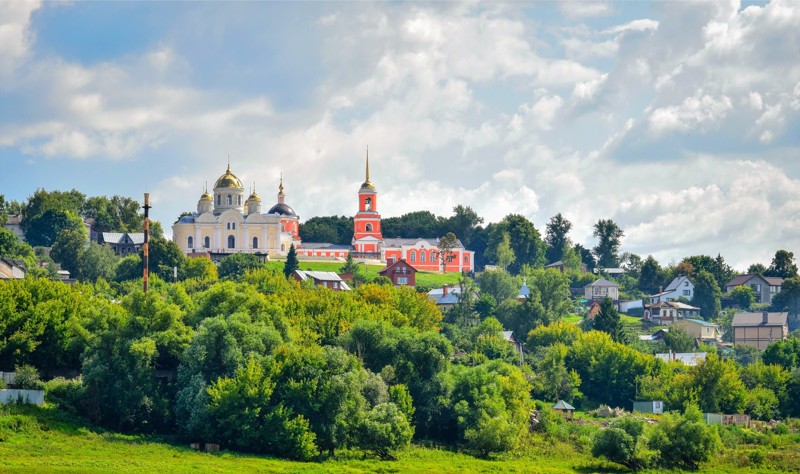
{"x":678,"y":120}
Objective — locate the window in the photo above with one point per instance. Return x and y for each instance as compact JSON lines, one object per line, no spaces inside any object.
{"x":686,"y":283}
{"x":233,"y":225}
{"x":190,"y":242}
{"x":368,"y":227}
{"x":231,"y":242}
{"x":422,"y":256}
{"x":255,"y":242}
{"x":686,"y":292}
{"x":207,"y":242}
{"x":218,"y":200}
{"x":239,"y":200}
{"x":368,"y":204}
{"x":283,"y":248}
{"x":433,"y":255}
{"x":412,"y":256}
{"x":466,"y":258}
{"x":228,"y":226}
{"x":402,"y":280}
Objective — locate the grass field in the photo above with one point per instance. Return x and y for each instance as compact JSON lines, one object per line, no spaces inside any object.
{"x":427,"y":279}
{"x":46,"y":440}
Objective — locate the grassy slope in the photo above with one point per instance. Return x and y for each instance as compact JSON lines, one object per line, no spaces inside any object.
{"x":432,"y":280}
{"x":46,"y":440}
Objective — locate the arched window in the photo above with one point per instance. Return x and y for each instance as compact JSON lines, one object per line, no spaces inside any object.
{"x":230,"y":199}
{"x":283,"y":247}
{"x":368,"y":228}
{"x":231,"y":242}
{"x":207,"y":242}
{"x":255,"y":242}
{"x":233,"y":225}
{"x":422,"y":256}
{"x":368,"y":204}
{"x":228,"y":225}
{"x":239,"y":200}
{"x":218,"y":199}
{"x":412,"y":256}
{"x":190,"y":242}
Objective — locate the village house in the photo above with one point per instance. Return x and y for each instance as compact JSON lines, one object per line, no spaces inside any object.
{"x":764,"y":287}
{"x":400,"y":272}
{"x":759,"y":329}
{"x":680,"y":287}
{"x":122,"y":243}
{"x":11,"y":269}
{"x":600,"y":289}
{"x":668,"y":312}
{"x":700,"y":329}
{"x":445,"y":297}
{"x":325,"y":279}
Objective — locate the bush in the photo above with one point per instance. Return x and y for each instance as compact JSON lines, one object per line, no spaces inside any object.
{"x":66,"y":394}
{"x":384,"y":429}
{"x":684,"y":441}
{"x":26,"y":377}
{"x":617,"y":446}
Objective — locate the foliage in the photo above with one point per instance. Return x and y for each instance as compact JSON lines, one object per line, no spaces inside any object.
{"x":198,"y":268}
{"x":463,"y":223}
{"x":553,"y":380}
{"x":412,"y":225}
{"x":783,"y":265}
{"x":164,"y":255}
{"x":68,"y":247}
{"x":608,"y":321}
{"x":617,"y":446}
{"x":447,"y":243}
{"x":785,"y":353}
{"x":236,"y":265}
{"x":26,"y":377}
{"x":12,"y":247}
{"x":524,"y":240}
{"x":384,"y":429}
{"x":332,"y":229}
{"x":115,"y":214}
{"x":291,"y":262}
{"x":742,"y":296}
{"x":678,"y":340}
{"x":788,"y":299}
{"x":559,"y":332}
{"x":651,"y":276}
{"x":684,"y":441}
{"x":44,"y":229}
{"x":499,"y":285}
{"x":707,"y":295}
{"x":556,"y":238}
{"x":609,"y":236}
{"x":350,"y":266}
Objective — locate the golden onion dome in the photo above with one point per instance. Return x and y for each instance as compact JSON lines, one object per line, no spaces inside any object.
{"x":228,"y":180}
{"x":207,"y":197}
{"x":254,"y":197}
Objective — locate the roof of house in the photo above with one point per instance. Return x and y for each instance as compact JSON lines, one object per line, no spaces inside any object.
{"x":673,"y":305}
{"x":509,"y":336}
{"x":562,"y":405}
{"x":436,"y":292}
{"x":400,"y":242}
{"x":321,"y":276}
{"x":7,"y":268}
{"x":116,"y":237}
{"x":555,"y":264}
{"x":524,"y":292}
{"x":757,"y":319}
{"x":701,"y":322}
{"x":685,"y":358}
{"x":676,"y":283}
{"x":742,"y":279}
{"x":395,"y":263}
{"x":450,"y":298}
{"x":13,"y":219}
{"x":603,"y":283}
{"x":611,"y":271}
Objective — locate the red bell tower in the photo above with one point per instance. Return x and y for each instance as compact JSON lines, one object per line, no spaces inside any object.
{"x":367,"y":235}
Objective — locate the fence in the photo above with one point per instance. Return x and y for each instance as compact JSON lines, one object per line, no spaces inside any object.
{"x":7,"y":377}
{"x":30,"y":397}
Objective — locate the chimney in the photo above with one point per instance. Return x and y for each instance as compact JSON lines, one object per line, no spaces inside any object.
{"x":389,"y":261}
{"x":660,"y":289}
{"x":444,"y":290}
{"x":764,"y":317}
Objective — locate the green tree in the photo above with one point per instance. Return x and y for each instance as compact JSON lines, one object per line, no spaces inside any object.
{"x":757,"y":269}
{"x":412,"y":225}
{"x":783,"y":265}
{"x":678,"y":340}
{"x":525,"y":241}
{"x":707,"y":295}
{"x":96,"y":261}
{"x":504,"y":254}
{"x":651,"y":275}
{"x":291,"y":262}
{"x":618,"y":446}
{"x":235,"y":266}
{"x":684,"y":441}
{"x":608,"y":321}
{"x":67,"y":249}
{"x":164,"y":256}
{"x":557,"y":238}
{"x":554,"y":381}
{"x":447,"y":244}
{"x":499,"y":285}
{"x":719,"y":388}
{"x":12,"y":247}
{"x":198,"y":268}
{"x":117,"y":214}
{"x":350,"y":266}
{"x":743,"y":296}
{"x":334,"y":229}
{"x":788,"y":299}
{"x":384,"y":429}
{"x":609,"y":236}
{"x":463,"y":223}
{"x":43,"y":229}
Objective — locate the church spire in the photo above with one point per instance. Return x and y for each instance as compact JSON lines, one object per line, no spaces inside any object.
{"x":281,"y":195}
{"x":367,"y":183}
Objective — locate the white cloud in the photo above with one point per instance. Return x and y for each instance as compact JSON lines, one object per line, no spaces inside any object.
{"x":694,"y":113}
{"x":15,"y":34}
{"x":584,"y":9}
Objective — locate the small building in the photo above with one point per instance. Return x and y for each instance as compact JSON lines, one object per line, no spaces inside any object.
{"x":690,"y":359}
{"x":122,"y":243}
{"x":763,"y":287}
{"x":524,"y":292}
{"x":759,"y":329}
{"x":564,"y":408}
{"x":324,"y":279}
{"x":445,"y":297}
{"x":667,"y":312}
{"x":654,"y":407}
{"x":11,"y":269}
{"x":560,"y":266}
{"x":680,"y":287}
{"x":700,"y":329}
{"x":612,"y":272}
{"x":600,"y":289}
{"x":400,"y":272}
{"x":656,"y":336}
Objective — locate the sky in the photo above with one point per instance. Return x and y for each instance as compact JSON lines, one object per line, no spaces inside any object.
{"x":678,"y":120}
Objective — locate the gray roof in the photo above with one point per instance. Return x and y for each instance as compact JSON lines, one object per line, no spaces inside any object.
{"x":322,"y":276}
{"x":524,"y":292}
{"x":449,"y":298}
{"x":509,"y":336}
{"x":399,"y":242}
{"x":685,"y":358}
{"x":555,"y":264}
{"x":116,"y":237}
{"x":742,"y":279}
{"x":438,"y":292}
{"x":562,"y":405}
{"x":603,"y":282}
{"x":701,"y":322}
{"x":674,"y":284}
{"x":757,"y":319}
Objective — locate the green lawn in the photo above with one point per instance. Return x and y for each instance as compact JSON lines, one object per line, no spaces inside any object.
{"x":46,"y":440}
{"x":427,"y":279}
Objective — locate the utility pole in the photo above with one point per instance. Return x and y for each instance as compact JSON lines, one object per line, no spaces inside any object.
{"x":146,"y":246}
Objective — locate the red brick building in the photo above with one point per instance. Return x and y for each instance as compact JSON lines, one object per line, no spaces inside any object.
{"x":400,"y":272}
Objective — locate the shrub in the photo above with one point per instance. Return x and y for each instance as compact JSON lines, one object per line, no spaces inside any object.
{"x":66,"y":394}
{"x":26,"y":377}
{"x":684,"y":441}
{"x":617,"y":446}
{"x":384,"y":429}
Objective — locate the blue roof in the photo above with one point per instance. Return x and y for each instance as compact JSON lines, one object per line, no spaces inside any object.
{"x":524,"y":292}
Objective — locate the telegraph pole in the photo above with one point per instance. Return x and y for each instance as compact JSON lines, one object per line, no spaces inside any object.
{"x":146,"y":246}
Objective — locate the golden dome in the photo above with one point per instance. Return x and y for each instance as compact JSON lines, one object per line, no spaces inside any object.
{"x":228,"y":180}
{"x":254,"y":197}
{"x":367,"y":184}
{"x":207,"y":197}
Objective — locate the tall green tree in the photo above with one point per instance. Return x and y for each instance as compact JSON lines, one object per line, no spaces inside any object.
{"x":783,"y":265}
{"x":291,"y":262}
{"x":412,"y":225}
{"x":234,"y":266}
{"x":350,"y":266}
{"x":557,"y":238}
{"x":788,"y":299}
{"x":97,"y":261}
{"x":463,"y":223}
{"x":608,"y":320}
{"x":609,"y":236}
{"x":332,"y":229}
{"x":756,"y":269}
{"x":651,"y":276}
{"x":43,"y":229}
{"x":525,"y":241}
{"x":67,"y":249}
{"x":707,"y":295}
{"x":446,"y":247}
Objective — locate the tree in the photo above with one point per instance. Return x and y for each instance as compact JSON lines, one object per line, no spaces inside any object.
{"x":118,"y":214}
{"x":632,"y":264}
{"x":524,"y":239}
{"x":463,"y":223}
{"x":384,"y":429}
{"x":788,"y":299}
{"x":499,"y":285}
{"x":556,"y":237}
{"x":12,"y":247}
{"x":650,"y":276}
{"x":164,"y":256}
{"x":350,"y":266}
{"x":236,"y":265}
{"x":608,"y":320}
{"x":333,"y":229}
{"x":504,"y":254}
{"x":96,"y":261}
{"x":67,"y":249}
{"x":743,"y":296}
{"x":783,"y":265}
{"x":571,"y":259}
{"x":291,"y":262}
{"x":44,"y":229}
{"x":447,"y":243}
{"x":617,"y":445}
{"x":684,"y":441}
{"x":198,"y":268}
{"x":756,"y":269}
{"x":707,"y":295}
{"x":607,"y":248}
{"x":721,"y":271}
{"x":678,"y":340}
{"x":586,"y":256}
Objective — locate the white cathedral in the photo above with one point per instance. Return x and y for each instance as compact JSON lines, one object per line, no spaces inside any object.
{"x":224,"y":223}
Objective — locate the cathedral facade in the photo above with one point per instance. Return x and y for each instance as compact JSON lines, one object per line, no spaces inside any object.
{"x":227,"y":222}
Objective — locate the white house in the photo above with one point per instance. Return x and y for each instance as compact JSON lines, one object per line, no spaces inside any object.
{"x":679,"y":287}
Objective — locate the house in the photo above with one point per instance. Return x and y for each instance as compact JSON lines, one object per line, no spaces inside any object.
{"x":669,"y":311}
{"x":656,"y":336}
{"x":560,"y":266}
{"x":512,"y":339}
{"x":14,"y":224}
{"x":686,"y":358}
{"x":600,"y":289}
{"x":524,"y":292}
{"x":325,"y":279}
{"x":759,"y":329}
{"x":11,"y":269}
{"x":564,"y":408}
{"x":649,"y":406}
{"x":445,"y":297}
{"x":612,"y":272}
{"x":763,"y":287}
{"x":400,"y":272}
{"x":700,"y":329}
{"x":122,"y":243}
{"x":680,"y":287}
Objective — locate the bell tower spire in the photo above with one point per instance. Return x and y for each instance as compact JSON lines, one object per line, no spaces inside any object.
{"x":281,"y":195}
